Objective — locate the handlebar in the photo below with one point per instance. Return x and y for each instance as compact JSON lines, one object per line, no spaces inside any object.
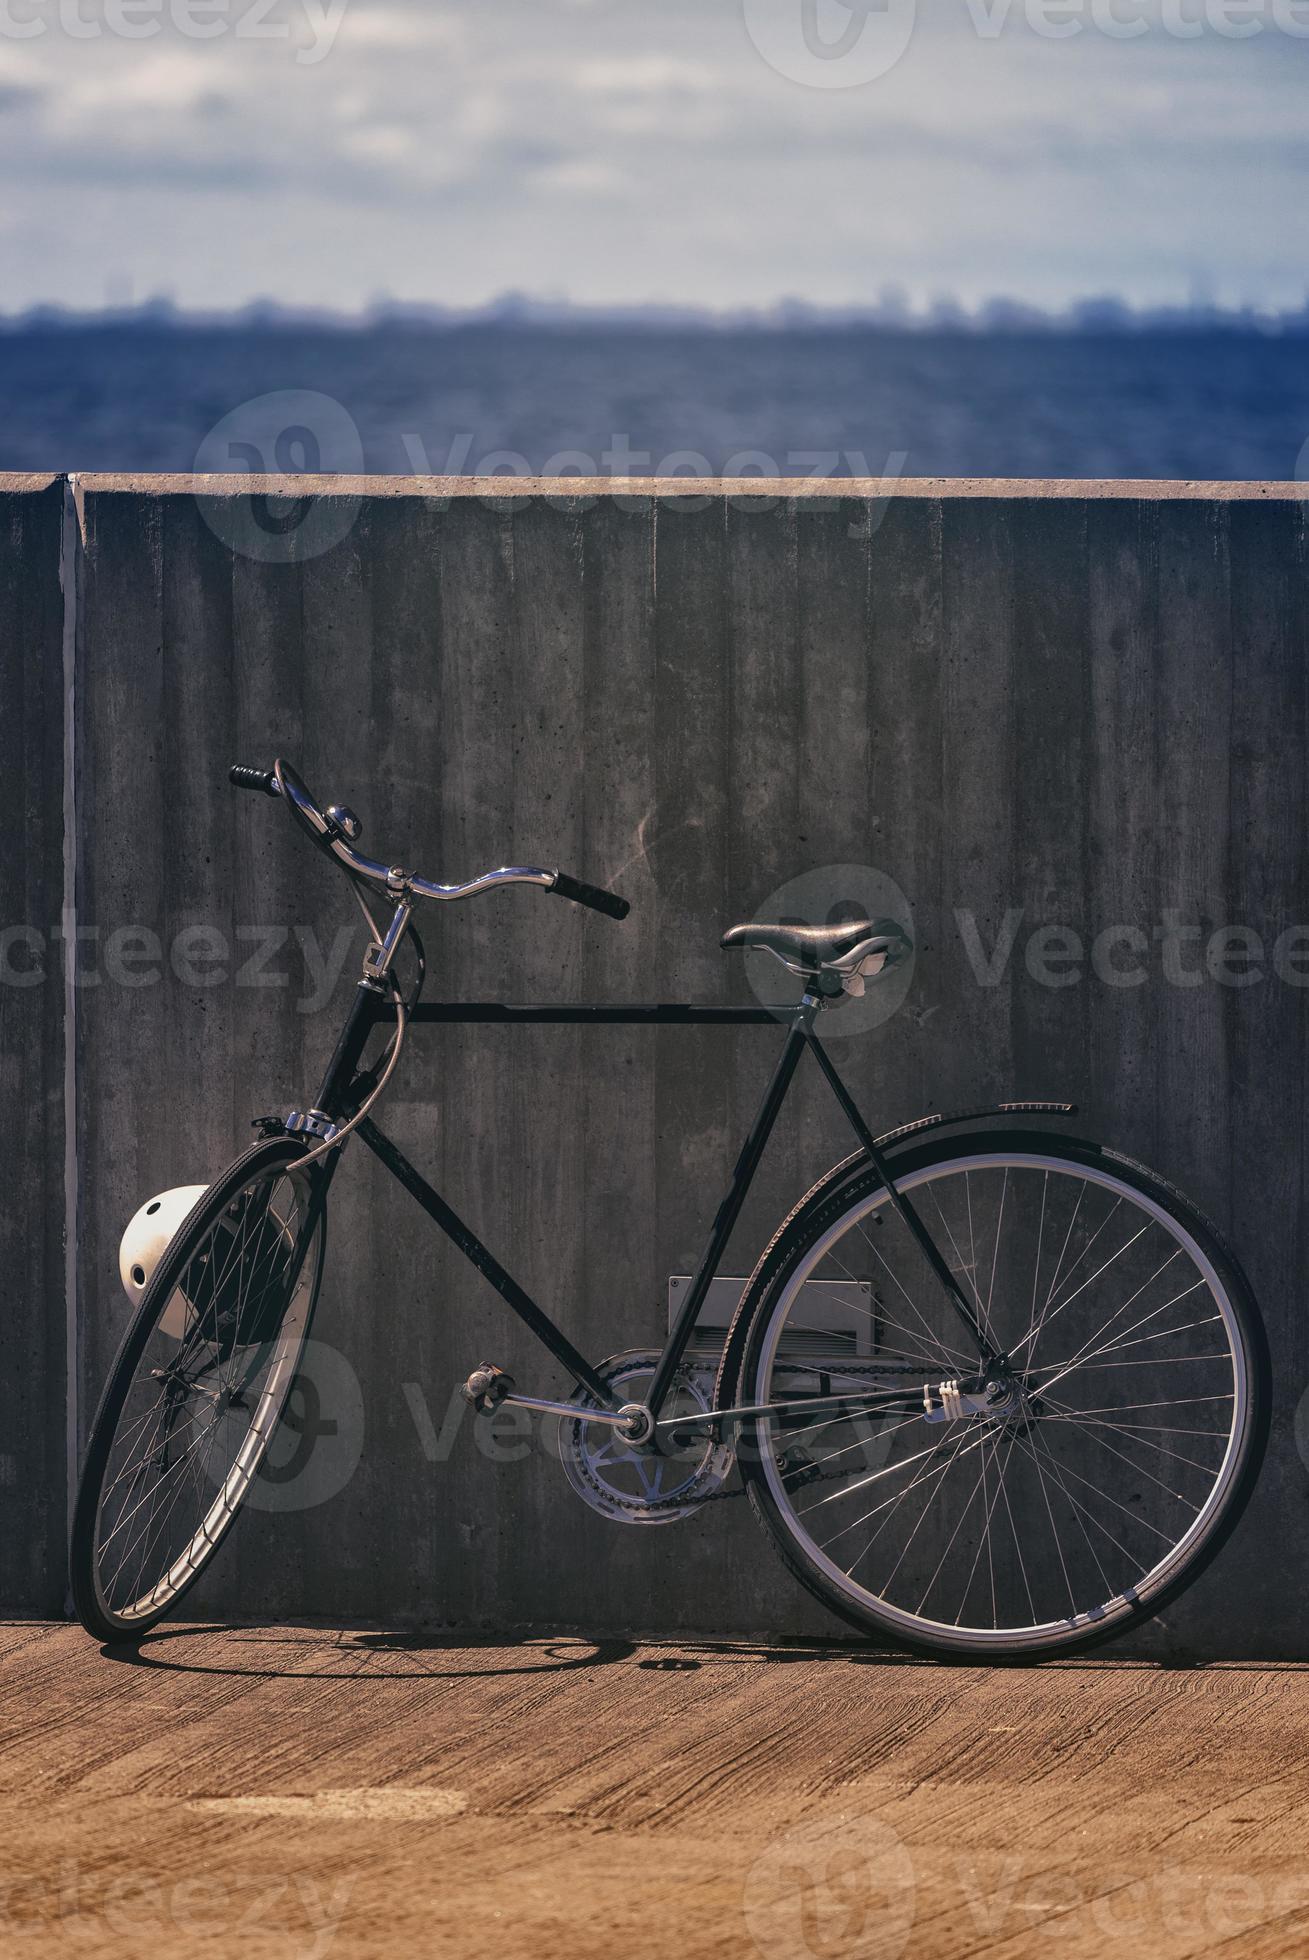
{"x":595,"y":896}
{"x":244,"y":778}
{"x":327,"y":828}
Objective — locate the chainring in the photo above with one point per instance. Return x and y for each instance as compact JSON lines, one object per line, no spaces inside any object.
{"x":640,"y":1485}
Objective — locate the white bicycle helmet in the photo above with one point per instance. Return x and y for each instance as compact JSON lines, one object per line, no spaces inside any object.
{"x":144,"y":1242}
{"x":240,"y":1299}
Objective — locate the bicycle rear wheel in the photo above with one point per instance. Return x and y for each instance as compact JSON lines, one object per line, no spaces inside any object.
{"x":197,"y":1389}
{"x":1068,"y":1507}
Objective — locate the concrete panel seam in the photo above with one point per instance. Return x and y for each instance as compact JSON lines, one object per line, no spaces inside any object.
{"x":69,"y":567}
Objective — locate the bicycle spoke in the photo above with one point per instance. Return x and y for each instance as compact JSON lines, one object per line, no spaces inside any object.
{"x":891,"y":1504}
{"x":1092,"y":1430}
{"x":995,"y":1256}
{"x":940,"y":1474}
{"x":1039,"y":1444}
{"x":949,"y":1544}
{"x":1086,"y":1359}
{"x":1049,"y":1310}
{"x":1089,"y":1515}
{"x":1054,"y":1529}
{"x":883,"y":1319}
{"x":988,"y":1507}
{"x":1113,"y":1258}
{"x":949,"y":1355}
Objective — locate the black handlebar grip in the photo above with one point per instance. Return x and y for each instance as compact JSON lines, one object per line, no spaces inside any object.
{"x":244,"y":778}
{"x":599,"y":900}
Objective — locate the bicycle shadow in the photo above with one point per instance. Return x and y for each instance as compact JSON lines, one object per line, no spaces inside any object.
{"x":329,"y":1654}
{"x":332,"y":1653}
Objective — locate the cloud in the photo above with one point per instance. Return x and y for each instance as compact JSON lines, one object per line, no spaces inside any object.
{"x":581,"y":176}
{"x":395,"y":30}
{"x":628,"y":150}
{"x":644,"y":74}
{"x":387,"y":143}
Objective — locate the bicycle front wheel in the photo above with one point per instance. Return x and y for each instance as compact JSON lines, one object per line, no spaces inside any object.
{"x":1039,"y":1517}
{"x":197,"y":1389}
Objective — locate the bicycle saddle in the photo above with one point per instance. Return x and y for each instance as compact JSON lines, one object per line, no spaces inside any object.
{"x":865,"y":946}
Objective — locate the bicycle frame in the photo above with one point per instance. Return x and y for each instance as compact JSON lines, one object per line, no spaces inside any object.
{"x":345,"y":1085}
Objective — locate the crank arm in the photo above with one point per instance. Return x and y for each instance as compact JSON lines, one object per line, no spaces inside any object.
{"x":570,"y":1410}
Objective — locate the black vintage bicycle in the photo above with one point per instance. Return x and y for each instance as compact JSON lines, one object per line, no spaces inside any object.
{"x":995,"y":1392}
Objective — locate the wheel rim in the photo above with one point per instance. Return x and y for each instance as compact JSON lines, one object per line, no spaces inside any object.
{"x":1109,"y":1464}
{"x":207,"y":1390}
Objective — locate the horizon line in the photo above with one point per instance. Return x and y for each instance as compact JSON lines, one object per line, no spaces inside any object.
{"x":1103,"y":313}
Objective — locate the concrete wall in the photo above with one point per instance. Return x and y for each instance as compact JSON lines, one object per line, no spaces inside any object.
{"x":32,"y":1377}
{"x":1085,"y":701}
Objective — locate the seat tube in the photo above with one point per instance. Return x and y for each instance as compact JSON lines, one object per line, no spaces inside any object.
{"x":730,"y":1209}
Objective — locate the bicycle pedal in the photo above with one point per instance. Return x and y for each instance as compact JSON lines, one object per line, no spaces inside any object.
{"x":487,"y":1387}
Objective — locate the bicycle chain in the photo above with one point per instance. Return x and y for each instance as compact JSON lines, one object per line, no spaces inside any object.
{"x":721,"y":1496}
{"x":819,"y":1476}
{"x":662,"y":1503}
{"x":725,"y":1496}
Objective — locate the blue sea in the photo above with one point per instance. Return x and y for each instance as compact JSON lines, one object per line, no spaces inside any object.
{"x":493,"y":395}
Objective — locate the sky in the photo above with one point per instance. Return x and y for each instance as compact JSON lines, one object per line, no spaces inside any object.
{"x":716,"y":153}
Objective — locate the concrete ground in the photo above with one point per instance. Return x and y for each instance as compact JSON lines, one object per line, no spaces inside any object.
{"x":294,"y":1791}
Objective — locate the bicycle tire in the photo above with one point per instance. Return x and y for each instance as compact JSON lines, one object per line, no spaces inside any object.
{"x":262,"y":1327}
{"x":840,"y":1196}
